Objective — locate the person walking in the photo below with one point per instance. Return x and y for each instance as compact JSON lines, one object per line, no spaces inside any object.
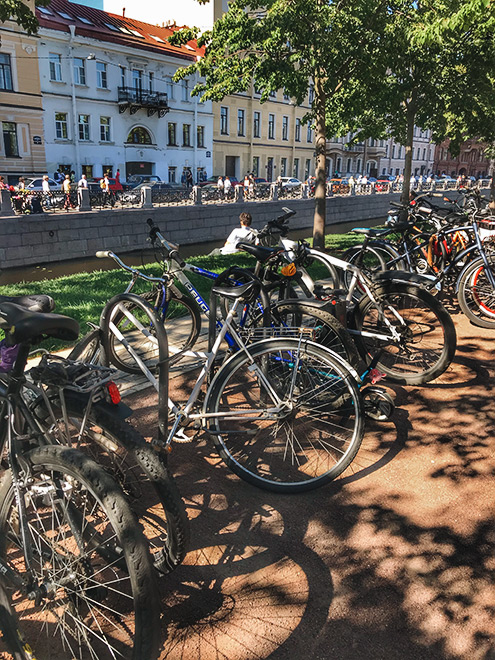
{"x":117,"y":176}
{"x":220,"y":185}
{"x":83,"y":182}
{"x":252,"y":184}
{"x":227,"y":186}
{"x":3,"y":185}
{"x":45,"y":186}
{"x":189,"y":179}
{"x":66,"y":188}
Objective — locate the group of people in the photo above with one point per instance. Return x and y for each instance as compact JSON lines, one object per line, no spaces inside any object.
{"x":225,"y":186}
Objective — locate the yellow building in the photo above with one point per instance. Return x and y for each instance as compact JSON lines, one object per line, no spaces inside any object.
{"x":267,"y":139}
{"x":22,"y":144}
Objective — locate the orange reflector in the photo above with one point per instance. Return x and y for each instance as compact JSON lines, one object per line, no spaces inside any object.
{"x":114,"y":392}
{"x":289,"y":270}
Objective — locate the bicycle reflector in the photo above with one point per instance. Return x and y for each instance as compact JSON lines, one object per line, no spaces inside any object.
{"x":289,"y":270}
{"x":113,"y":392}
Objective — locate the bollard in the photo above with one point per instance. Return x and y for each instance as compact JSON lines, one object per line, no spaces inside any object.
{"x":304,"y":191}
{"x":146,"y":198}
{"x":239,"y":194}
{"x":5,"y":202}
{"x":83,"y":202}
{"x":196,"y":195}
{"x":273,"y":192}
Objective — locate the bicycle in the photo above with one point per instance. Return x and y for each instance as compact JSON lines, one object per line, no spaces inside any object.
{"x":69,"y":543}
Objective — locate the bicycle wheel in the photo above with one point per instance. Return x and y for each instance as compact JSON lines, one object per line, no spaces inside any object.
{"x":90,"y":568}
{"x":292,"y":316}
{"x":426,"y":339}
{"x":476,"y":295}
{"x":372,"y":261}
{"x":306,"y":438}
{"x":9,"y":627}
{"x":88,"y":349}
{"x":180,"y":319}
{"x":145,"y":480}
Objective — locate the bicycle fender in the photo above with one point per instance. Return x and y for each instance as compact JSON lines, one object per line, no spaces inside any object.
{"x":403,"y":276}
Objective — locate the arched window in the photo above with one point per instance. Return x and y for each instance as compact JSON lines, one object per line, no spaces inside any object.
{"x":139,"y":135}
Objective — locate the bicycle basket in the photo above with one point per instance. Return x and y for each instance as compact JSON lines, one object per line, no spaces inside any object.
{"x":486,"y":228}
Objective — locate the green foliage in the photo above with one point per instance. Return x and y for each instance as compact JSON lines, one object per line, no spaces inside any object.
{"x":19,"y":12}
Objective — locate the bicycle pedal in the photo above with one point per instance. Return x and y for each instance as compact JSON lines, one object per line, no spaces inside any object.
{"x":376,"y":376}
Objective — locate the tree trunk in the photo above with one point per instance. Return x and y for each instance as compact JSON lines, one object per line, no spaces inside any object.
{"x":320,"y":174}
{"x":411,"y":116}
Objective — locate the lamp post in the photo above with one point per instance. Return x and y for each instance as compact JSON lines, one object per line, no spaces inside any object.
{"x":72,"y":29}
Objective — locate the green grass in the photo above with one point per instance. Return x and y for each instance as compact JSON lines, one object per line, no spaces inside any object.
{"x":83,"y":295}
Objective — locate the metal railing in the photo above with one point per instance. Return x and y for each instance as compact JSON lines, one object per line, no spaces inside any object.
{"x":32,"y":202}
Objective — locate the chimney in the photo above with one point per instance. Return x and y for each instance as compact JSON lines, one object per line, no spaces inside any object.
{"x":123,"y":12}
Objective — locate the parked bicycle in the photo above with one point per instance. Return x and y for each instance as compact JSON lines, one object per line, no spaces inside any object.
{"x":69,"y":542}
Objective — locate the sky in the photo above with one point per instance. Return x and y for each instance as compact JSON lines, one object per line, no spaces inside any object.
{"x":183,"y":12}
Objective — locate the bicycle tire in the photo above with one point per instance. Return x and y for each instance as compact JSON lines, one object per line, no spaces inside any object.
{"x":88,"y":348}
{"x":145,"y":480}
{"x":475,"y":294}
{"x":405,"y":361}
{"x":328,"y":330}
{"x":184,"y":327}
{"x":11,"y":634}
{"x":69,"y":489}
{"x":322,"y":384}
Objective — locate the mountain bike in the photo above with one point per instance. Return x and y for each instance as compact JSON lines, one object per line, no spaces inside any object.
{"x":72,"y":556}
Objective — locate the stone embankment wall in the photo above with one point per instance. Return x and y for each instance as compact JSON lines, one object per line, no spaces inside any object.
{"x":44,"y":239}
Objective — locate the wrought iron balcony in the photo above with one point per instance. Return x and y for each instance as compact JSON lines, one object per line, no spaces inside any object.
{"x":134,"y":99}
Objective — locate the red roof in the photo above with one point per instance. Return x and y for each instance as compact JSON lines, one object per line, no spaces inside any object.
{"x":101,"y":25}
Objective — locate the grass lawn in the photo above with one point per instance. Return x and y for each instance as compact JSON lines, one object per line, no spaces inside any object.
{"x":83,"y":295}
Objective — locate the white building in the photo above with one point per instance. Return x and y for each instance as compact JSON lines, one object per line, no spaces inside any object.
{"x":109,"y":99}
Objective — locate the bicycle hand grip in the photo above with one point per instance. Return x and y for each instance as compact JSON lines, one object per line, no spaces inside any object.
{"x":102,"y":254}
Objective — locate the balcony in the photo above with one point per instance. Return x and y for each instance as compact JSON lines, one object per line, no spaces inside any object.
{"x":134,"y":99}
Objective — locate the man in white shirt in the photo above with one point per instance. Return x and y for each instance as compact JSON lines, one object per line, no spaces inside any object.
{"x":242,"y":233}
{"x":83,"y":182}
{"x":227,"y":185}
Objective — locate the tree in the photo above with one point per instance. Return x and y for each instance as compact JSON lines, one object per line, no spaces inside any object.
{"x":290,"y":45}
{"x":20,"y":12}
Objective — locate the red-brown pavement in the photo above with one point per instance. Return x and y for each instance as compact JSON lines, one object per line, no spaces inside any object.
{"x":396,"y":560}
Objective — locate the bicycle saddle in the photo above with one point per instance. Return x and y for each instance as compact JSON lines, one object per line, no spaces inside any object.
{"x":261,"y":253}
{"x":248,"y":291}
{"x":34,"y":303}
{"x":21,"y":325}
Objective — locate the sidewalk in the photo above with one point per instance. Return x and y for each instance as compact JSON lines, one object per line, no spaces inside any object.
{"x":395,"y":560}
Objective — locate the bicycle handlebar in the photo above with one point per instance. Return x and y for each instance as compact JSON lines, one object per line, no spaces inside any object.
{"x":172,"y":251}
{"x":101,"y":254}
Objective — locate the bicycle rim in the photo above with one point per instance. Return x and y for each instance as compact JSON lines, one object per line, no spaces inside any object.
{"x":90,"y":556}
{"x":477,"y":295}
{"x":311,"y":440}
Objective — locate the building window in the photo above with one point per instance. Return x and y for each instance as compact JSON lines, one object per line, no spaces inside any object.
{"x":137,"y":79}
{"x":151,"y":81}
{"x":393,"y":151}
{"x":87,"y":170}
{"x":185,"y":90}
{"x":139,"y":135}
{"x":200,"y":136}
{"x":298,"y":131}
{"x":79,"y":71}
{"x":283,"y":167}
{"x":61,"y":126}
{"x":55,"y":67}
{"x":311,"y":96}
{"x":101,"y":75}
{"x":349,"y":164}
{"x":83,"y":122}
{"x":256,"y":165}
{"x":285,"y":129}
{"x":224,"y":120}
{"x":295,"y":169}
{"x":172,"y":134}
{"x":256,"y":124}
{"x":240,"y":123}
{"x":271,"y":127}
{"x":172,"y":173}
{"x":358,"y":166}
{"x":170,"y":89}
{"x":307,"y":168}
{"x":5,"y":72}
{"x":186,"y":135}
{"x":105,"y":129}
{"x":123,"y":76}
{"x":338,"y":165}
{"x":424,"y":154}
{"x":10,"y":139}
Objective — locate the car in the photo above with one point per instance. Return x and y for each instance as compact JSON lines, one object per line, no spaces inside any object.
{"x":135,"y":179}
{"x":113,"y":183}
{"x":289,"y":182}
{"x":211,"y":180}
{"x":36,"y":184}
{"x":259,"y":179}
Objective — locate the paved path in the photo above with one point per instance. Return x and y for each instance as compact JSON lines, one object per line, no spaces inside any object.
{"x":396,"y":560}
